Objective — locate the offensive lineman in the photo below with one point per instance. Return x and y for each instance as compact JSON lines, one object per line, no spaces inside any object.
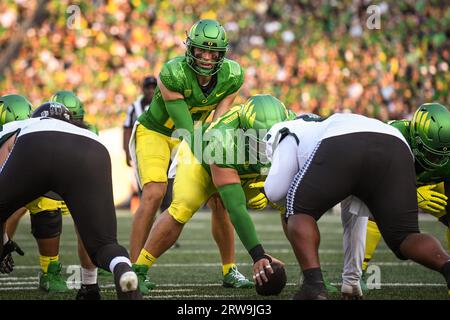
{"x":84,"y":182}
{"x":317,"y":164}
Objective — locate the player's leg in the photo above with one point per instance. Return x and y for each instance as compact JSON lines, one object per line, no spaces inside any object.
{"x":223,"y":233}
{"x":89,"y":289}
{"x":168,"y":226}
{"x":152,"y":156}
{"x":167,"y":200}
{"x":150,"y":201}
{"x":329,"y":176}
{"x":355,"y":224}
{"x":322,"y":183}
{"x":85,"y":183}
{"x":392,"y":199}
{"x":14,"y":196}
{"x":46,"y":227}
{"x":442,"y":216}
{"x":373,"y":238}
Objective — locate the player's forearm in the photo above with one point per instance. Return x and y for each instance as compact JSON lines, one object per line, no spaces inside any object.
{"x":224,"y":105}
{"x":233,"y":198}
{"x":179,"y":112}
{"x":126,"y":139}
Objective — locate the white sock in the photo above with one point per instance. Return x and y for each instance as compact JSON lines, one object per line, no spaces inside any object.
{"x":5,"y":238}
{"x":118,"y":260}
{"x":88,"y":276}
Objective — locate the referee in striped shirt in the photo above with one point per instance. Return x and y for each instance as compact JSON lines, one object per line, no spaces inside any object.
{"x":135,"y":110}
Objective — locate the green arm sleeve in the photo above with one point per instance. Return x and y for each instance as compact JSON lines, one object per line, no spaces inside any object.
{"x":179,"y":112}
{"x":233,"y":198}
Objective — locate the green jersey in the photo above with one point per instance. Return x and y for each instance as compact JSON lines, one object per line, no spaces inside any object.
{"x":178,"y":76}
{"x":424,"y":176}
{"x":227,"y":148}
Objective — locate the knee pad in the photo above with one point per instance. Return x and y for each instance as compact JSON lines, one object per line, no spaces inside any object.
{"x":46,"y":224}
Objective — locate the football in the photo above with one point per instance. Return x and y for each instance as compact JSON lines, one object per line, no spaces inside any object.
{"x":276,"y":283}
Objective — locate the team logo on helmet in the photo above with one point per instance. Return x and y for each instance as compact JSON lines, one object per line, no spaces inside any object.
{"x":430,"y":135}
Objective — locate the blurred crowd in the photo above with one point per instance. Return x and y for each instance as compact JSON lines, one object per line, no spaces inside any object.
{"x":316,"y":56}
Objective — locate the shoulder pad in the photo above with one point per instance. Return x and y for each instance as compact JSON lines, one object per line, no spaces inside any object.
{"x":172,"y":75}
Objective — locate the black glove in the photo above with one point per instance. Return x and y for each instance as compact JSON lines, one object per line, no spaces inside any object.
{"x":6,"y":260}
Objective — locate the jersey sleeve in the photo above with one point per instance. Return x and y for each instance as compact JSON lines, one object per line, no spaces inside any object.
{"x":237,"y":76}
{"x":172,"y":76}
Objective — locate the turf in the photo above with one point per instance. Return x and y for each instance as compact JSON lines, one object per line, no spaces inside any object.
{"x":193,"y":271}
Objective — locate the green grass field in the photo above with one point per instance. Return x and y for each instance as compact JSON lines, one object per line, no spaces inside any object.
{"x":193,"y":271}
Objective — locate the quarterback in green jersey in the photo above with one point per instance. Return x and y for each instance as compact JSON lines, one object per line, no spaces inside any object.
{"x":188,"y":89}
{"x":220,"y":170}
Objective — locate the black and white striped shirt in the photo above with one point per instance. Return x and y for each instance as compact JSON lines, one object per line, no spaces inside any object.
{"x":134,"y":111}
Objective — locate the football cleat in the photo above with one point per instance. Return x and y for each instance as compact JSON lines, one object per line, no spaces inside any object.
{"x":89,"y":292}
{"x":126,"y":282}
{"x":363,"y":283}
{"x":144,"y":284}
{"x":235,"y":279}
{"x":349,"y":292}
{"x":316,"y":291}
{"x":52,"y":281}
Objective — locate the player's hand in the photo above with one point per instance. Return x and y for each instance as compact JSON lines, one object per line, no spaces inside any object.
{"x":6,"y":260}
{"x":258,"y":202}
{"x":262,"y":268}
{"x":430,"y":200}
{"x":128,"y":159}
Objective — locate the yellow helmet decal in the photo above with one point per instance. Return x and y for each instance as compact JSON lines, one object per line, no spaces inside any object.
{"x":248,"y":112}
{"x":3,"y":113}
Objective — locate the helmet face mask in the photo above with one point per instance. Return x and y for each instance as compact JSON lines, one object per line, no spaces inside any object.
{"x":210,"y":36}
{"x":430,"y":135}
{"x":428,"y":158}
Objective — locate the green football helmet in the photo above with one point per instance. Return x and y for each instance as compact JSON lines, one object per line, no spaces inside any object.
{"x":257,"y":115}
{"x":430,"y":135}
{"x":262,"y":111}
{"x":71,"y":101}
{"x":207,"y":35}
{"x":14,"y":107}
{"x":292,"y":115}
